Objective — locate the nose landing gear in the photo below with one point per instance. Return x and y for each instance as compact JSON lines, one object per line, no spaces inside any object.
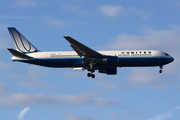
{"x":161,"y":67}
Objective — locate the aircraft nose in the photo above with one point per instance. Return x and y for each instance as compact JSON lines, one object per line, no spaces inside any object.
{"x":171,"y":59}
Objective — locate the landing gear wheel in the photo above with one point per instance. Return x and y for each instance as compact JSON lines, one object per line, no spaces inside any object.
{"x":89,"y":74}
{"x":92,"y":75}
{"x":161,"y":67}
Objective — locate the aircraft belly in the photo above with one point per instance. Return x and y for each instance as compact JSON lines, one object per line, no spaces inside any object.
{"x":138,"y":62}
{"x":58,"y":63}
{"x":77,"y":62}
{"x":65,"y":63}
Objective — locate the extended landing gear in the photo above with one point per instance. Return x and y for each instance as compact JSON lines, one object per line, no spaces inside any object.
{"x":91,"y":69}
{"x":91,"y":75}
{"x":161,"y":67}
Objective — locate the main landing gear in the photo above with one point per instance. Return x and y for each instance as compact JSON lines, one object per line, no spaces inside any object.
{"x":161,"y":67}
{"x":91,"y":69}
{"x":91,"y":75}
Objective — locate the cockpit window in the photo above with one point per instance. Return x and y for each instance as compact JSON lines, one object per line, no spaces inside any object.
{"x":166,"y":54}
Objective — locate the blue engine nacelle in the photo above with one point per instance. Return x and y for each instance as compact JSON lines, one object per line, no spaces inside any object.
{"x":109,"y":70}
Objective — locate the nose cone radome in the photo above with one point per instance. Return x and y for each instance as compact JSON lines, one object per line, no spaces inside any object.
{"x":171,"y":59}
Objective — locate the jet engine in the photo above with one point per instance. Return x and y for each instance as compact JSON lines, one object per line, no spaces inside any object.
{"x":109,"y":70}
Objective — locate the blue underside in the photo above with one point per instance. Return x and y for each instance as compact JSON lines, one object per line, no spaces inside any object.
{"x":77,"y":62}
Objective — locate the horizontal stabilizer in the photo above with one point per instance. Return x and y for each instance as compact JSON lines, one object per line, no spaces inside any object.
{"x":19,"y":54}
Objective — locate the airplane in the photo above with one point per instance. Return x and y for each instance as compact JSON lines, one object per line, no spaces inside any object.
{"x":85,"y":58}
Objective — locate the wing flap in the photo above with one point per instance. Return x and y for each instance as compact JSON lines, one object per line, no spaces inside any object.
{"x":77,"y":50}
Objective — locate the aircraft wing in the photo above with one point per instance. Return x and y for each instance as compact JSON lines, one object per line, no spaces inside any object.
{"x":81,"y":49}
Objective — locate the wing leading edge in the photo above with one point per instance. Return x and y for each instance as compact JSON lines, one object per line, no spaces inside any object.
{"x":81,"y":49}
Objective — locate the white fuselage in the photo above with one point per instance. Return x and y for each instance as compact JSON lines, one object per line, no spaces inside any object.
{"x":128,"y":58}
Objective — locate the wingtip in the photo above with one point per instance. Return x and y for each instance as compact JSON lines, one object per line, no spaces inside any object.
{"x":10,"y":27}
{"x":66,"y":36}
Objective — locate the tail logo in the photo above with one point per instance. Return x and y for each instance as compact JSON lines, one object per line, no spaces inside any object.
{"x":20,"y":42}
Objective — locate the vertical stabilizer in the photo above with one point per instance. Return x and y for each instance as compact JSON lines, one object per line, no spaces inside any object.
{"x":20,"y":42}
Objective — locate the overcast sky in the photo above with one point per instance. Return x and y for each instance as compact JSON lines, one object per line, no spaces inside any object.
{"x":29,"y":92}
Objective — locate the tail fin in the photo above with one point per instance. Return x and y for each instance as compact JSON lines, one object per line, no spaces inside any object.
{"x":20,"y":42}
